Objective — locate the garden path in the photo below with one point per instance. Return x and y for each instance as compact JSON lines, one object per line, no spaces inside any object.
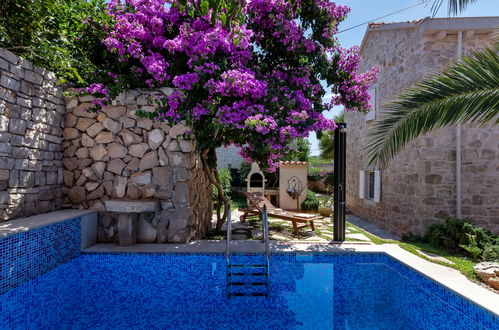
{"x":282,"y":230}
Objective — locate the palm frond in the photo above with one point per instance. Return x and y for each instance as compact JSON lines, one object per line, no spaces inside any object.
{"x":467,"y":91}
{"x":326,"y":141}
{"x":454,"y":7}
{"x":326,"y":145}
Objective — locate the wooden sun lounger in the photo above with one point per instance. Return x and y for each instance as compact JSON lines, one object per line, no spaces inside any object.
{"x":257,"y":201}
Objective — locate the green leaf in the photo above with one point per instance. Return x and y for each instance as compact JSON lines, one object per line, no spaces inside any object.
{"x":205,"y":6}
{"x":454,"y":6}
{"x":223,"y":18}
{"x":466,"y":92}
{"x":77,"y":75}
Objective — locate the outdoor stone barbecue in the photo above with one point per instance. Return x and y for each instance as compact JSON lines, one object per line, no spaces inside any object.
{"x":114,"y":155}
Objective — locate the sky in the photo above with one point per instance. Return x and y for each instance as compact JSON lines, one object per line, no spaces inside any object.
{"x":368,"y":10}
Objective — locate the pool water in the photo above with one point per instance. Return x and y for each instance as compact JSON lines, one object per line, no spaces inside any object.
{"x":175,"y":291}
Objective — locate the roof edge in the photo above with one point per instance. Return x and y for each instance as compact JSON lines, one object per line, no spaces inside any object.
{"x":430,"y":25}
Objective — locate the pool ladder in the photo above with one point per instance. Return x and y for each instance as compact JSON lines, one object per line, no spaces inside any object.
{"x":248,"y":279}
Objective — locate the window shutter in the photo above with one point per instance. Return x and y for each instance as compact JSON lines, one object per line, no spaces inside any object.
{"x":377,"y":186}
{"x":362,"y":181}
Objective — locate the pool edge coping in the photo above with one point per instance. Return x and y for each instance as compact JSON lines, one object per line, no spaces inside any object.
{"x":20,"y":225}
{"x":449,"y":278}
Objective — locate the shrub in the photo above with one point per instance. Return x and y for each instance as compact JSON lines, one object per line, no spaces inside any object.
{"x":326,"y":201}
{"x":491,"y":253}
{"x":244,"y":170}
{"x":314,"y":174}
{"x":311,"y":202}
{"x":225,"y":181}
{"x":329,"y":178}
{"x":300,"y":150}
{"x":411,"y":238}
{"x":62,"y":36}
{"x":462,"y":236}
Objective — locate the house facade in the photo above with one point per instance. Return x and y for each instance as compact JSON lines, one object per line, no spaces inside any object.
{"x":426,"y":182}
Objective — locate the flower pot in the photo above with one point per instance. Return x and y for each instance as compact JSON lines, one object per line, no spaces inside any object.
{"x":325,"y":211}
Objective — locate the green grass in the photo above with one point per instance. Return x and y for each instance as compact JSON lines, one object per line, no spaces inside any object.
{"x":254,"y":221}
{"x":461,"y":263}
{"x":317,"y":160}
{"x":277,"y":226}
{"x":375,"y":239}
{"x":237,"y":202}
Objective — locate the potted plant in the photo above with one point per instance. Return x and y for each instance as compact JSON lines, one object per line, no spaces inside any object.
{"x":326,"y":206}
{"x":311,"y":203}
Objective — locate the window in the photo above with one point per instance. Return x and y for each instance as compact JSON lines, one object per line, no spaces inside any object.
{"x":371,"y":115}
{"x":370,"y":185}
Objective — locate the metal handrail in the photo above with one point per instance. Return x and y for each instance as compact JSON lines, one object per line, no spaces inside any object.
{"x":229,"y":234}
{"x":265,"y":229}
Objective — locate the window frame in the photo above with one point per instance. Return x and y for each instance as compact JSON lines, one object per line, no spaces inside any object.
{"x":365,"y":184}
{"x":370,"y":186}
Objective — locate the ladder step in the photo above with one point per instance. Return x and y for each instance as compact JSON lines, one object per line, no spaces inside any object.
{"x":247,"y":266}
{"x":248,"y":294}
{"x":247,"y":274}
{"x":247,"y":283}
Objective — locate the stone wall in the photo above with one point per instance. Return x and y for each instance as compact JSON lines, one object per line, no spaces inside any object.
{"x":31,"y":122}
{"x":113,"y":154}
{"x":480,"y":176}
{"x":418,"y":187}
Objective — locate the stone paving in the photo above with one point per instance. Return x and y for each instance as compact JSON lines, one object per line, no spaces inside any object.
{"x":282,"y":230}
{"x":371,"y":227}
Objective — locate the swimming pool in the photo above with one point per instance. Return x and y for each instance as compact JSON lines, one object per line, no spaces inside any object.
{"x":188,"y":291}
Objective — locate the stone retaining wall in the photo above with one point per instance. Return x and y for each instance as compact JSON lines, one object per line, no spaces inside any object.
{"x":113,"y":154}
{"x":31,"y":122}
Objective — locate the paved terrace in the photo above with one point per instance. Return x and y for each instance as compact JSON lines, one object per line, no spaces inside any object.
{"x":282,"y":230}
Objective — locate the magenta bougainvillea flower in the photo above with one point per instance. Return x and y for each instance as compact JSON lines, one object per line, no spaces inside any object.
{"x":246,"y":72}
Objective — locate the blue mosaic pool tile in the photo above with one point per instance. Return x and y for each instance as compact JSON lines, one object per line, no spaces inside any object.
{"x":188,"y":291}
{"x":28,"y":254}
{"x":447,"y":297}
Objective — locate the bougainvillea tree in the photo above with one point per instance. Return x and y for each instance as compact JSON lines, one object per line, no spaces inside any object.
{"x":247,"y":72}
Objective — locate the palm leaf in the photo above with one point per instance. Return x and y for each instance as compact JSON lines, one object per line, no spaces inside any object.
{"x":326,"y":145}
{"x":466,"y":92}
{"x":326,"y":142}
{"x":454,"y":7}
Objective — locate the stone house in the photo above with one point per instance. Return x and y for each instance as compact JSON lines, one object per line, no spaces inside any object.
{"x":426,"y":182}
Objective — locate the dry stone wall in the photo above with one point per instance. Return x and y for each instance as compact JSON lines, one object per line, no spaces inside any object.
{"x":31,"y":123}
{"x":418,"y":187}
{"x":113,"y":154}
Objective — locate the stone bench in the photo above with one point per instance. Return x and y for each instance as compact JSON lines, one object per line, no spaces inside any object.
{"x":137,"y":221}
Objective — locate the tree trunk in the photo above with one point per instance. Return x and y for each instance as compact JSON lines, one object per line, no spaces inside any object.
{"x":214,"y":178}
